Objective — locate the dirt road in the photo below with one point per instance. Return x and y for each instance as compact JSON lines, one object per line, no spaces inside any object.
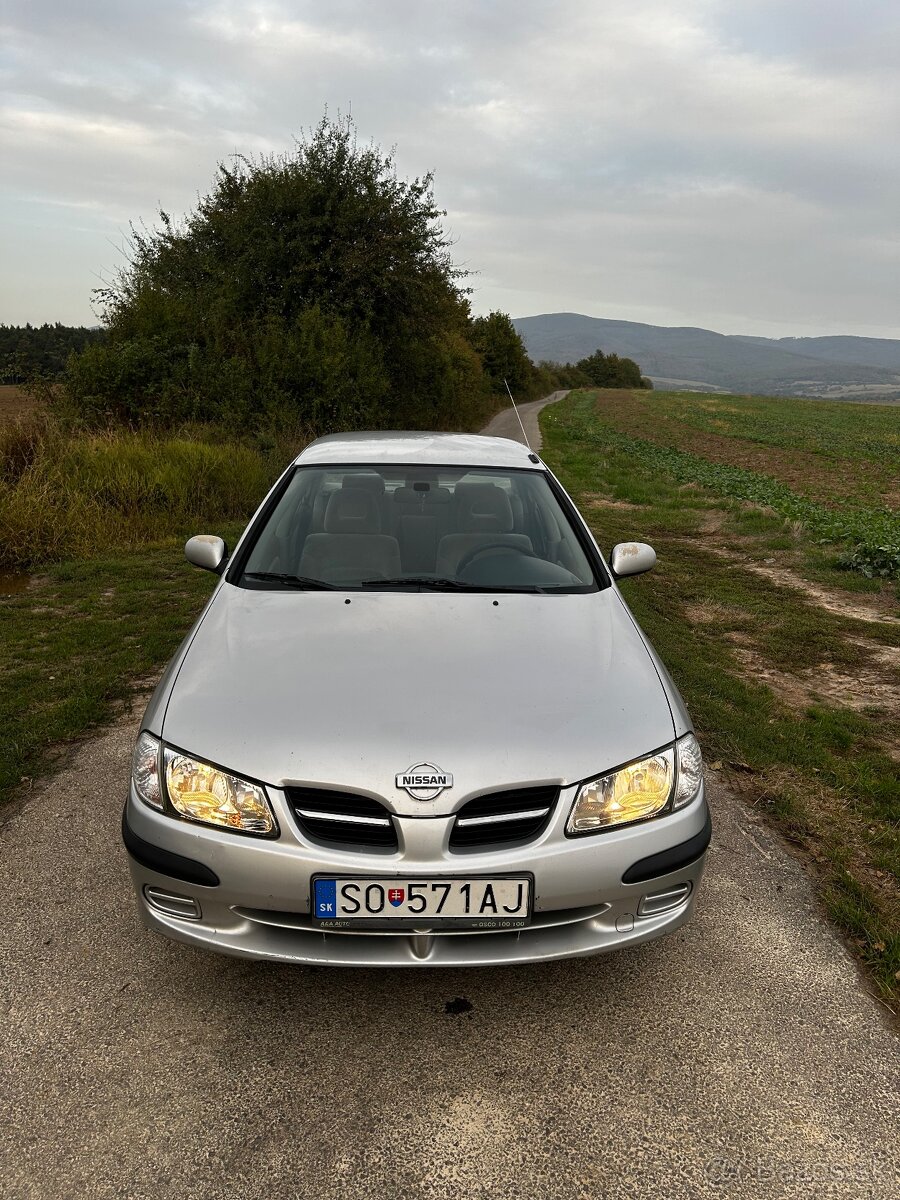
{"x":505,"y":424}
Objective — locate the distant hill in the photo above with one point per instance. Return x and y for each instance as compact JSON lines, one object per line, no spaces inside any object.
{"x":865,"y":352}
{"x":701,"y":359}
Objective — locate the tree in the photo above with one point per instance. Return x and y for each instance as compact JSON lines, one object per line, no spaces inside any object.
{"x":563,"y":375}
{"x":503,"y":353}
{"x":316,"y":286}
{"x":31,"y":352}
{"x":611,"y":371}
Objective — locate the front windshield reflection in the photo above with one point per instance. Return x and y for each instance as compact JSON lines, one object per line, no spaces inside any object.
{"x":395,"y":527}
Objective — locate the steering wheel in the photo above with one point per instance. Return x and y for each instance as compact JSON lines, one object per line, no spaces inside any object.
{"x":477,"y":551}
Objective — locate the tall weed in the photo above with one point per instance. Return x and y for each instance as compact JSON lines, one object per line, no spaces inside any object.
{"x":69,"y":494}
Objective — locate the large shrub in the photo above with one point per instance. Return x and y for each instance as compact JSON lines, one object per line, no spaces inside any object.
{"x":315,"y":286}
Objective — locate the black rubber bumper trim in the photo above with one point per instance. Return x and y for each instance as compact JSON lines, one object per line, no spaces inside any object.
{"x":154,"y":858}
{"x":672,"y":859}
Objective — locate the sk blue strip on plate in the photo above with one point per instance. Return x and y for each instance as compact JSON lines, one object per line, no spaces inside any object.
{"x":326,"y":898}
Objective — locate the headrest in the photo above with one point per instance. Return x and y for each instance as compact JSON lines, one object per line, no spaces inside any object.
{"x":483,"y":508}
{"x":369,"y":481}
{"x":439,"y":495}
{"x":352,"y":510}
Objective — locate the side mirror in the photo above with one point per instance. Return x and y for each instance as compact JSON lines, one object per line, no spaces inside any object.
{"x":206,"y":551}
{"x":632,"y":558}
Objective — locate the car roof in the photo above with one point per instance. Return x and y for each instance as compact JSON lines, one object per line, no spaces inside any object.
{"x":434,"y":449}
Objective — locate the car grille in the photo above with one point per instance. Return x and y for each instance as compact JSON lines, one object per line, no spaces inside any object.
{"x":516,"y":816}
{"x":342,"y":818}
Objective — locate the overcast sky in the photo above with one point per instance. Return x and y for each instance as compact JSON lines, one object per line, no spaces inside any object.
{"x":725,"y":163}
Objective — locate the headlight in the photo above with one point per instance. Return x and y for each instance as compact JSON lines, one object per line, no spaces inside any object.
{"x":647,"y":788}
{"x":204,"y":793}
{"x":633,"y":793}
{"x":145,"y":770}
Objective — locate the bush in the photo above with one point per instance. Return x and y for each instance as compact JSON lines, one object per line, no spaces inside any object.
{"x":611,"y":371}
{"x":875,"y":562}
{"x":562,"y":375}
{"x":21,"y":443}
{"x":315,"y":287}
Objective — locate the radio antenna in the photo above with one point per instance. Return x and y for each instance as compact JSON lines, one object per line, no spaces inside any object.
{"x":518,"y":418}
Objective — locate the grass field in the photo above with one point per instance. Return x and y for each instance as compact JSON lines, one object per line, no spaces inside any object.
{"x":78,"y":640}
{"x":833,"y":468}
{"x":788,"y":439}
{"x":94,"y":589}
{"x":789,"y":665}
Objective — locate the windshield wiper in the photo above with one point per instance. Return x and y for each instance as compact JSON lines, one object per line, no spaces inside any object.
{"x":436,"y":584}
{"x":297,"y":581}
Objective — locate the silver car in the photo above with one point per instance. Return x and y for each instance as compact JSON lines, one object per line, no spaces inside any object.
{"x":416,"y":725}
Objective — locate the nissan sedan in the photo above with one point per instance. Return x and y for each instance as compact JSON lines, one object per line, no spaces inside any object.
{"x":416,"y":724}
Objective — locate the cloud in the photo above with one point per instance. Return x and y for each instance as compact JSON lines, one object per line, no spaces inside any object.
{"x":709,"y":163}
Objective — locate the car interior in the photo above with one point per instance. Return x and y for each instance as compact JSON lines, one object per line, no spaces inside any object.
{"x":354,"y":526}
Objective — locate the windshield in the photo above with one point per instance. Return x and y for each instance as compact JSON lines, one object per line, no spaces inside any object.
{"x":432,"y":528}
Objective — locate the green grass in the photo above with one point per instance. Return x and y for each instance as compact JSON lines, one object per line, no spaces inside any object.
{"x":74,"y":643}
{"x":869,"y":536}
{"x":103,"y":517}
{"x":833,"y":430}
{"x":821,"y":770}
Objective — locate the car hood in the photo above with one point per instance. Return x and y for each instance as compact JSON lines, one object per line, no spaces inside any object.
{"x":345,"y":691}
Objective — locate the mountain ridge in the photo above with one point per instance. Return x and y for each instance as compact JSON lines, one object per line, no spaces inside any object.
{"x":831,"y":366}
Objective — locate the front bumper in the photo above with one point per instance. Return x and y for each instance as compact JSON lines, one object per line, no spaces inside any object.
{"x":260,"y":905}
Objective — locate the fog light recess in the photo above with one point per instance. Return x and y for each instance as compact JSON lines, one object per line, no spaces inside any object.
{"x":660,"y":902}
{"x":172,"y":904}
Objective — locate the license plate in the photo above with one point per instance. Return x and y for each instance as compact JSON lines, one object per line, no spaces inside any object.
{"x":498,"y":902}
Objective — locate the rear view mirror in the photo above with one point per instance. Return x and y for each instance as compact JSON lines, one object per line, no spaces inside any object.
{"x":631,"y":558}
{"x":207,"y":551}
